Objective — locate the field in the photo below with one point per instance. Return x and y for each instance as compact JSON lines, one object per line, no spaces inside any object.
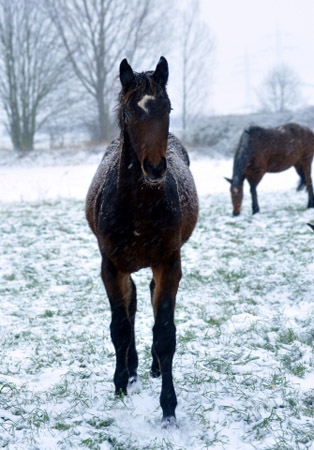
{"x":244,"y":365}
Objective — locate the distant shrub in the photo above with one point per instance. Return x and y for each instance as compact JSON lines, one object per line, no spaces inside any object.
{"x":219,"y":135}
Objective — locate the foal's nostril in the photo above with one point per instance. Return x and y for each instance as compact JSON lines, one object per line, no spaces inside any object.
{"x":155,"y":173}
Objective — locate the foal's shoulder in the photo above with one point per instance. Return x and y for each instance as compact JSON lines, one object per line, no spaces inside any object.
{"x":107,"y":166}
{"x":111,"y":151}
{"x":176,"y":147}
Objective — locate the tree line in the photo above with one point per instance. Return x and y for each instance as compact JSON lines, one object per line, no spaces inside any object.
{"x":59,"y":61}
{"x":59,"y":58}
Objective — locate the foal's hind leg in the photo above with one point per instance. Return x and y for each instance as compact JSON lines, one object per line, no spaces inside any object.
{"x":167,"y":279}
{"x":155,"y":369}
{"x":122,"y":296}
{"x":308,"y":182}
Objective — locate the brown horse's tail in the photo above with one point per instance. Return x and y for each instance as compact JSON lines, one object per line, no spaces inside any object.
{"x":241,"y":158}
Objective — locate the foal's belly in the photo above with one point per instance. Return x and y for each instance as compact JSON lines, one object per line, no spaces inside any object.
{"x":135,"y":251}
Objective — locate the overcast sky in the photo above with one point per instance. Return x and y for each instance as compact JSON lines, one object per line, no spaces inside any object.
{"x":251,"y":37}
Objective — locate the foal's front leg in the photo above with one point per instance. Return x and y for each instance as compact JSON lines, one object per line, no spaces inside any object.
{"x":155,"y":368}
{"x":166,"y":278}
{"x":122,"y":296}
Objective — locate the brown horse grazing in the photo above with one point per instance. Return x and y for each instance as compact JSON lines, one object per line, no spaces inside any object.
{"x":142,"y":206}
{"x":262,"y":150}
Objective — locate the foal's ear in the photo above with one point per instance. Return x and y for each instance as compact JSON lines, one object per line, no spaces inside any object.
{"x":161,"y":72}
{"x":228,"y":179}
{"x":126,"y":74}
{"x":310,"y":225}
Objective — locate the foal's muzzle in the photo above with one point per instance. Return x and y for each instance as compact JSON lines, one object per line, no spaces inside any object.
{"x":154,"y":174}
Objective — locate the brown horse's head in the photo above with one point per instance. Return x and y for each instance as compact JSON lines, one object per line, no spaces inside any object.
{"x":236,"y":196}
{"x":144,"y":114}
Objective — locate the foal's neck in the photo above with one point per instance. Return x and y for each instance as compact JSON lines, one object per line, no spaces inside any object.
{"x":131,"y":175}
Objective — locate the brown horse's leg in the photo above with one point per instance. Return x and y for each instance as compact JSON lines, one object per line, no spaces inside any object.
{"x":155,"y":369}
{"x":308,"y":182}
{"x":255,"y":207}
{"x":122,"y":296}
{"x":167,"y":279}
{"x":253,"y":179}
{"x":300,"y":172}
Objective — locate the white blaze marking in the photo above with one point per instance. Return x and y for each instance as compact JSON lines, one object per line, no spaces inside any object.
{"x":142,"y":102}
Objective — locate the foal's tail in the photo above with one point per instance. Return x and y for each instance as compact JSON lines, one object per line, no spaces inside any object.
{"x":241,"y":158}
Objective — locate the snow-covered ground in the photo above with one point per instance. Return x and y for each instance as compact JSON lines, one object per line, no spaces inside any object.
{"x":47,"y":178}
{"x":244,"y":366}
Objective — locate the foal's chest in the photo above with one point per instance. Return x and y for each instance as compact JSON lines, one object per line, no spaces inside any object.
{"x":137,"y":231}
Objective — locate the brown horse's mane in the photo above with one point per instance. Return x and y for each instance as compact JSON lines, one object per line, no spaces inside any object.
{"x":241,"y":157}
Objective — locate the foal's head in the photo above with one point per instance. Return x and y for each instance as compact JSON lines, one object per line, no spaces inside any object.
{"x":144,"y":109}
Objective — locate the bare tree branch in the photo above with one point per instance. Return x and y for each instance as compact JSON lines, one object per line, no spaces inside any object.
{"x":33,"y":68}
{"x":280,"y":90}
{"x":97,"y":34}
{"x":197,"y":46}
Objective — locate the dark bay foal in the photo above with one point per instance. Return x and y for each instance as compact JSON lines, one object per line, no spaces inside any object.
{"x":262,"y":150}
{"x":142,"y":206}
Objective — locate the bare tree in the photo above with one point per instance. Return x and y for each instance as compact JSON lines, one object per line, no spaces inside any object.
{"x":97,"y":34}
{"x":32,"y":70}
{"x":280,"y":90}
{"x":197,"y":48}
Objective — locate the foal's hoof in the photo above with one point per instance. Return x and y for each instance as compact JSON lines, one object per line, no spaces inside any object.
{"x":155,"y":372}
{"x":134,"y":385}
{"x":120,"y":392}
{"x":169,"y":422}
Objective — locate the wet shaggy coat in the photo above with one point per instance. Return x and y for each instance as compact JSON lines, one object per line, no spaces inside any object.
{"x":142,"y":206}
{"x":133,"y":228}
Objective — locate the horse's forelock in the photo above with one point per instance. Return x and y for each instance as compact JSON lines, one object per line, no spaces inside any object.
{"x":143,"y":84}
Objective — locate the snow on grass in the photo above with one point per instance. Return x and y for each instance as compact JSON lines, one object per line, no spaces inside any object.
{"x":244,"y":365}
